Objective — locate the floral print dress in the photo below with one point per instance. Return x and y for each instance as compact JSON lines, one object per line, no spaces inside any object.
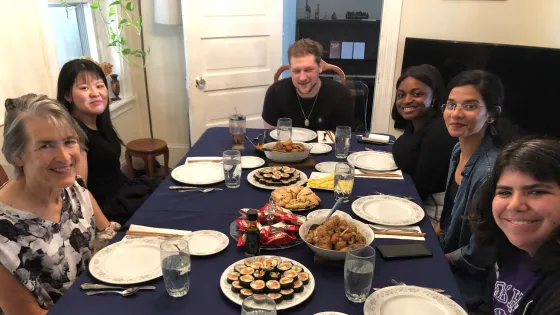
{"x":46,"y":257}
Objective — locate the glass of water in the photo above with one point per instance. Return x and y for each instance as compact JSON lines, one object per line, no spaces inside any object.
{"x":258,"y":304}
{"x":358,"y":273}
{"x":284,"y":126}
{"x":342,"y":141}
{"x":232,"y":168}
{"x":175,"y":266}
{"x":343,"y":181}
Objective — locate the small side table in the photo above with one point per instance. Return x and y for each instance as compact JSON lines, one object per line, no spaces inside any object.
{"x":147,"y":149}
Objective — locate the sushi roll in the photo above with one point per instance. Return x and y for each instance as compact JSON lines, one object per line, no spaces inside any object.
{"x":291,"y":274}
{"x":273,"y":286}
{"x":261,"y":259}
{"x":236,"y":286}
{"x":269,"y":182}
{"x":249,"y":261}
{"x":287,"y":294}
{"x":267,"y":176}
{"x":303,"y":277}
{"x":277,"y":168}
{"x":245,"y":293}
{"x":239,"y":267}
{"x":257,"y":286}
{"x":285,"y":176}
{"x":259,"y":274}
{"x":276,"y":178}
{"x":278,"y":183}
{"x":289,"y":170}
{"x":277,"y":297}
{"x":246,"y":280}
{"x":258,"y":176}
{"x":233,"y":276}
{"x":298,"y":269}
{"x":285,"y":168}
{"x":298,"y":286}
{"x":262,"y":181}
{"x":256,"y":265}
{"x":247,"y":271}
{"x":285,"y":266}
{"x":287,"y":283}
{"x":266,"y":170}
{"x":286,"y":182}
{"x":273,"y":275}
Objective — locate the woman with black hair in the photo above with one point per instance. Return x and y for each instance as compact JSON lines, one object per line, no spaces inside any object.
{"x":471,"y":113}
{"x":82,"y":89}
{"x":423,"y":151}
{"x":518,"y":211}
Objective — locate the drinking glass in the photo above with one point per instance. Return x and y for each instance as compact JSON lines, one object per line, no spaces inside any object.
{"x":232,"y":168}
{"x":258,"y":304}
{"x":175,"y":266}
{"x":343,"y":181}
{"x":342,"y":141}
{"x":237,"y":129}
{"x":284,"y":126}
{"x":358,"y":273}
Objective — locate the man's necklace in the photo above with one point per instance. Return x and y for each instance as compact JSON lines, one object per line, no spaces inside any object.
{"x":307,"y":118}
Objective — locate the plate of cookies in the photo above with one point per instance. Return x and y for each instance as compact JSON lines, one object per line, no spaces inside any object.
{"x":295,"y":198}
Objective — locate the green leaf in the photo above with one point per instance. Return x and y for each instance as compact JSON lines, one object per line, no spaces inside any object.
{"x":123,"y":41}
{"x":112,"y":11}
{"x":115,"y":3}
{"x":148,"y":51}
{"x":113,"y":36}
{"x":139,"y":21}
{"x":130,"y":6}
{"x":123,"y":21}
{"x":126,"y":51}
{"x":94,"y":5}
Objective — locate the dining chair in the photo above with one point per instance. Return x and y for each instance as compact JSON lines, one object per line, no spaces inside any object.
{"x":3,"y":176}
{"x":326,"y":67}
{"x":359,"y":92}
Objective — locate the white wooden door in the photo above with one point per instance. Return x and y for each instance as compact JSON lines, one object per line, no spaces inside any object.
{"x":235,"y":46}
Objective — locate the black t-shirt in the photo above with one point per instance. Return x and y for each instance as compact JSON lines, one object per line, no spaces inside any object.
{"x":425,"y":155}
{"x":104,"y":168}
{"x":333,"y":107}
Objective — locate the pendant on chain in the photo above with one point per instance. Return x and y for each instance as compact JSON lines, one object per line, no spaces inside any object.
{"x":307,"y":123}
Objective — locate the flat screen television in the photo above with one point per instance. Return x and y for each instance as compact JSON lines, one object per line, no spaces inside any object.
{"x":531,"y":76}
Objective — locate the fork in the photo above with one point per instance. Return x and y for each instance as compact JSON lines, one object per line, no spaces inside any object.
{"x":398,"y":228}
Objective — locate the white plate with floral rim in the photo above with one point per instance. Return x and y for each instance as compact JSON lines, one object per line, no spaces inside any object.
{"x":202,"y":173}
{"x":388,"y":210}
{"x":249,"y":162}
{"x":325,"y":212}
{"x":325,"y":167}
{"x":298,"y":134}
{"x":129,"y":261}
{"x":410,"y":300}
{"x":373,"y":161}
{"x":296,"y":300}
{"x":206,"y":242}
{"x":320,"y":148}
{"x":251,"y":178}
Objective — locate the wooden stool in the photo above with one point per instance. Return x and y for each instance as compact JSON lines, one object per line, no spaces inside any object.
{"x":147,"y":149}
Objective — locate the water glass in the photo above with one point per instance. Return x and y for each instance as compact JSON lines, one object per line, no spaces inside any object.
{"x":343,"y":181}
{"x":232,"y":168}
{"x":358,"y":273}
{"x":342,"y":141}
{"x":258,"y":304}
{"x":175,"y":266}
{"x":284,"y":126}
{"x":237,"y":129}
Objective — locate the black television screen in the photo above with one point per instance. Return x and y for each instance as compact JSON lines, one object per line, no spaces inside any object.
{"x":531,"y":76}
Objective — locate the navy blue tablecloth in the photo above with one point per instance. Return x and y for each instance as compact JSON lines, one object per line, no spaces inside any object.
{"x":197,"y":211}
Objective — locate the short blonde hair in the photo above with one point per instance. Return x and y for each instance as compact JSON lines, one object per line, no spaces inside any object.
{"x":304,"y":47}
{"x":15,"y":136}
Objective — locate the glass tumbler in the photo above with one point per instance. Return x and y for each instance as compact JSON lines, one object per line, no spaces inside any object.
{"x":342,"y":141}
{"x":175,"y":266}
{"x":232,"y":168}
{"x":237,"y":129}
{"x":343,"y":181}
{"x":358,"y":273}
{"x":284,"y":126}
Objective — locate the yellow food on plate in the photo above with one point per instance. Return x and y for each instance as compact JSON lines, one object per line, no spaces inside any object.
{"x":326,"y":182}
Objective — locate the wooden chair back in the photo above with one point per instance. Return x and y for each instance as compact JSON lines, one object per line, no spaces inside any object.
{"x":326,"y":67}
{"x":3,"y":176}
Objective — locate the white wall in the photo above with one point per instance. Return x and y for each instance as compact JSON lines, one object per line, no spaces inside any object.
{"x":340,"y":7}
{"x":517,"y":22}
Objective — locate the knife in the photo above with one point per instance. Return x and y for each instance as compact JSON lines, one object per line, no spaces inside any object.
{"x":94,"y":286}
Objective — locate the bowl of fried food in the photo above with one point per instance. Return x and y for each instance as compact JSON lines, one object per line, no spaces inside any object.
{"x":286,"y":151}
{"x":331,"y":239}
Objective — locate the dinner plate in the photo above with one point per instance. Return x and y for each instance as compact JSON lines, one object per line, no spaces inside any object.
{"x":325,"y":212}
{"x":410,"y":300}
{"x":388,"y":210}
{"x":373,"y":161}
{"x":129,"y":261}
{"x":251,"y":178}
{"x":320,"y":148}
{"x":298,"y":134}
{"x":298,"y":297}
{"x":251,"y":162}
{"x":202,"y":173}
{"x":325,"y":167}
{"x":206,"y":242}
{"x":315,"y":175}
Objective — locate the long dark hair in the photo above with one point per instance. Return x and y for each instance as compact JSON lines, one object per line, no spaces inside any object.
{"x":491,"y":89}
{"x":430,"y":76}
{"x":68,"y":75}
{"x":537,"y":157}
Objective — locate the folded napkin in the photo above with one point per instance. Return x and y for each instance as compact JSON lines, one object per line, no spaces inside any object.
{"x":203,"y":158}
{"x":142,"y":228}
{"x":320,"y":137}
{"x":413,"y":229}
{"x":376,"y":138}
{"x":380,"y":175}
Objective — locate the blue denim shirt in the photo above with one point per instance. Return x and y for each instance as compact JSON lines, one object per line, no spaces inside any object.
{"x":469,"y":261}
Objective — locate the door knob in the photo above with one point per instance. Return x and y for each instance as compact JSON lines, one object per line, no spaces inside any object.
{"x":200,"y":82}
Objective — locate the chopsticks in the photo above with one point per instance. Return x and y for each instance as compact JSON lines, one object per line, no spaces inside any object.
{"x":199,"y":161}
{"x":141,"y":233}
{"x":329,"y":134}
{"x":399,"y":233}
{"x":377,"y":175}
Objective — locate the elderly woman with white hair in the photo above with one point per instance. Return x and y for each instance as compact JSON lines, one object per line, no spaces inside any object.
{"x":48,"y":221}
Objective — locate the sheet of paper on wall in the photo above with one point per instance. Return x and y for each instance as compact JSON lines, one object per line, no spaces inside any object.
{"x":347,"y":50}
{"x":334,"y":51}
{"x":359,"y":50}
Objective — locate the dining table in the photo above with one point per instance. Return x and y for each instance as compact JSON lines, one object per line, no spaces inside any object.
{"x":216,"y":210}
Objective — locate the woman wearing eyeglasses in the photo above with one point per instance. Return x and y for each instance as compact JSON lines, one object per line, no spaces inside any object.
{"x":474,"y":104}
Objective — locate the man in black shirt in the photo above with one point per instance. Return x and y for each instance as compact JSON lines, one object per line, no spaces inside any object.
{"x":311,"y":102}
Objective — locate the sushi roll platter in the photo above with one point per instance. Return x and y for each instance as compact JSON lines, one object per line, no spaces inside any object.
{"x":277,"y":176}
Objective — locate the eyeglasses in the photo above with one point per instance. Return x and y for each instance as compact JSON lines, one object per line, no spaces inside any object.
{"x":469,"y":107}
